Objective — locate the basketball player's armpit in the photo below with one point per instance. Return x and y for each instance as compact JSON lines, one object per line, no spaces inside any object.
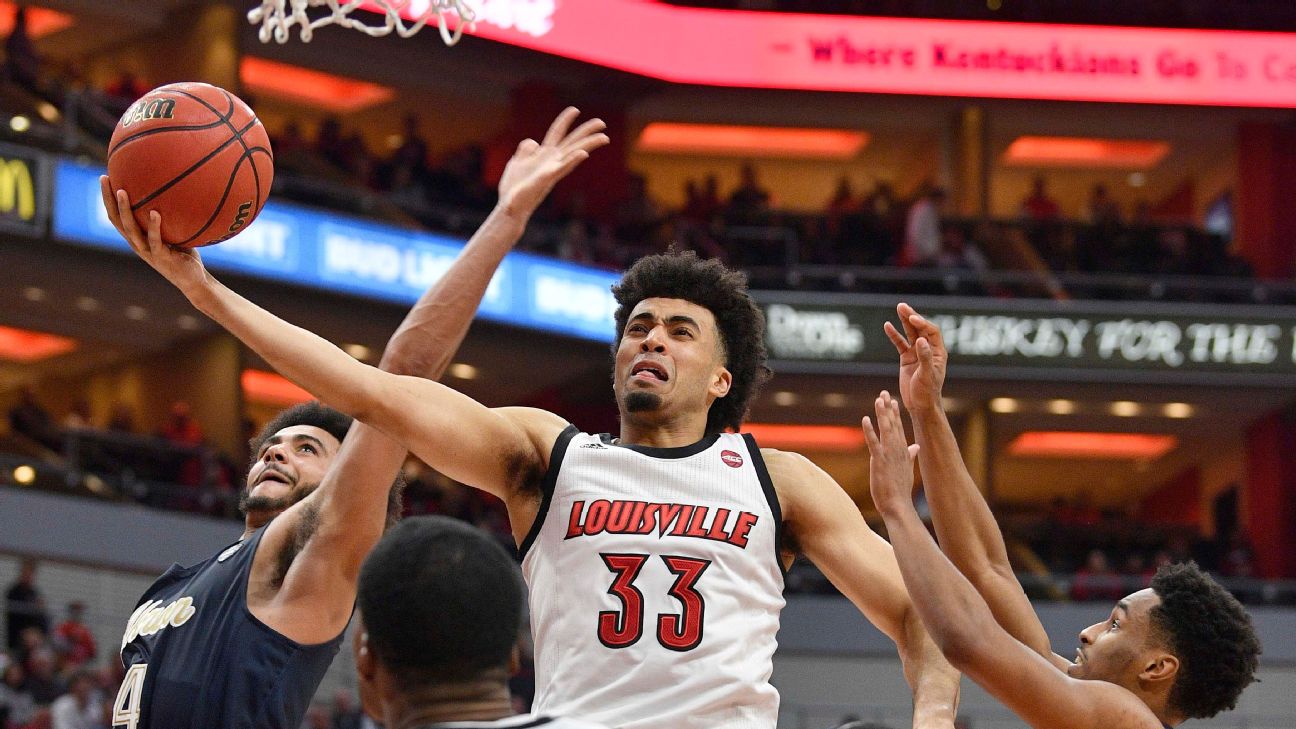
{"x":306,"y":521}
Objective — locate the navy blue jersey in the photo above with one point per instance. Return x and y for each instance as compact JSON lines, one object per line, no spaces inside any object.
{"x":196,"y":657}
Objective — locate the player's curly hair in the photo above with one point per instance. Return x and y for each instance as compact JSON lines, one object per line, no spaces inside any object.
{"x":1210,"y":633}
{"x":336,"y":424}
{"x":705,"y":282}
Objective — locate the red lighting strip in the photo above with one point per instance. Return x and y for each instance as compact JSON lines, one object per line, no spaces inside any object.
{"x":40,"y":21}
{"x":904,"y":55}
{"x":1067,"y":444}
{"x":740,"y":141}
{"x":1085,"y":152}
{"x":21,"y":345}
{"x":317,"y":88}
{"x":271,"y":389}
{"x":813,"y":437}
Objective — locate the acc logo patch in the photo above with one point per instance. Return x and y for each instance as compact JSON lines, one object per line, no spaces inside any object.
{"x":731,"y":459}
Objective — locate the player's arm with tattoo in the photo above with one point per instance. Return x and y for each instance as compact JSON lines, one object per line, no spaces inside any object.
{"x":828,"y":528}
{"x":965,"y":527}
{"x":429,"y":418}
{"x":960,"y":621}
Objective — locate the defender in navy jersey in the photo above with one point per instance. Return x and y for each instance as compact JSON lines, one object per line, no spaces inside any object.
{"x":1181,"y":649}
{"x":241,"y":640}
{"x":673,"y":570}
{"x":438,"y":616}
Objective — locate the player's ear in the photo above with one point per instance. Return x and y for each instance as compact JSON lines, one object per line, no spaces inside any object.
{"x":721,"y":382}
{"x":366,"y":666}
{"x":1160,"y":668}
{"x":515,"y":660}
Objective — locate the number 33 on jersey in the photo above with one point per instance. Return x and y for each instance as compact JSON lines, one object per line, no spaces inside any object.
{"x":655,"y":583}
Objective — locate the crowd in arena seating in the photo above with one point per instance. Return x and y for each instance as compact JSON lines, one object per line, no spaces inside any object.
{"x":332,"y":166}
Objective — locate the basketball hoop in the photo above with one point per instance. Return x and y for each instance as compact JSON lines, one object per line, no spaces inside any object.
{"x":277,"y":17}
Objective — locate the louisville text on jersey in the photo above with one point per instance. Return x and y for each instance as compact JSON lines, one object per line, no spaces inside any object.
{"x":151,"y":617}
{"x":675,"y":520}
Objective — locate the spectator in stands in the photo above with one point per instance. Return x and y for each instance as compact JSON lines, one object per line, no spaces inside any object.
{"x":1239,"y":559}
{"x":1039,"y":206}
{"x":32,"y":421}
{"x":21,"y":64}
{"x":17,"y":707}
{"x":923,"y":237}
{"x":749,"y":203}
{"x":181,"y":427}
{"x":638,"y":219}
{"x":1096,"y":580}
{"x":79,"y":415}
{"x":1102,"y":209}
{"x":24,"y":606}
{"x":43,"y":681}
{"x":291,"y":140}
{"x":958,"y":252}
{"x":81,"y":707}
{"x":122,"y":418}
{"x":73,"y":637}
{"x":843,"y":200}
{"x":412,"y":154}
{"x":346,"y":713}
{"x":328,"y":141}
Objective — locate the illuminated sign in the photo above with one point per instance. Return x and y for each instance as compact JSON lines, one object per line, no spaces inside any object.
{"x":905,"y":55}
{"x":23,"y":189}
{"x":332,"y":252}
{"x":1095,"y":341}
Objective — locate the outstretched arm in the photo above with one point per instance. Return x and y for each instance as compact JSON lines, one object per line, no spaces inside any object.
{"x":965,"y":526}
{"x":434,"y":429}
{"x":829,"y":529}
{"x":958,"y":618}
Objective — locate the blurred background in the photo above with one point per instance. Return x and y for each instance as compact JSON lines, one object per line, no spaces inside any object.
{"x":1096,"y":200}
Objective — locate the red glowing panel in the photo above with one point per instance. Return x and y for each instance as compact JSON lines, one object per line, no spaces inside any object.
{"x":272,"y":389}
{"x":325,"y":90}
{"x":40,"y":21}
{"x":21,"y":345}
{"x":1066,"y":444}
{"x":811,"y":437}
{"x":720,"y":139}
{"x":904,"y":55}
{"x":1085,"y":152}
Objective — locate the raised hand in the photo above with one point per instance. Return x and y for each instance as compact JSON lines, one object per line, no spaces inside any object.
{"x":537,"y":166}
{"x":891,"y":458}
{"x":923,"y":359}
{"x":181,"y":266}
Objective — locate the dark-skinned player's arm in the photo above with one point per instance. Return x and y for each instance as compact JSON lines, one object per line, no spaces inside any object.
{"x":311,"y":555}
{"x":828,"y":528}
{"x":960,"y":621}
{"x":451,"y":432}
{"x":965,"y":526}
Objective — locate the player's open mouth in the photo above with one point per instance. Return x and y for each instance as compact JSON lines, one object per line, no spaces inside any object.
{"x":649,"y":371}
{"x":1079,"y":656}
{"x":273,"y":476}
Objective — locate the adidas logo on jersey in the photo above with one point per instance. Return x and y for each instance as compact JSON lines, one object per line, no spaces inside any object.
{"x":599,"y":446}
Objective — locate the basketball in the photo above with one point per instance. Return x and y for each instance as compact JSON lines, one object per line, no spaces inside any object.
{"x":196,"y":154}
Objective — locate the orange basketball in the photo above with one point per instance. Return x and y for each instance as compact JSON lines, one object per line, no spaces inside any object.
{"x":196,"y":154}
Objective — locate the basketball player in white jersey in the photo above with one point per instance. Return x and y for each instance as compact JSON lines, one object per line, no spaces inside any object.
{"x":655,"y":558}
{"x":439,"y":611}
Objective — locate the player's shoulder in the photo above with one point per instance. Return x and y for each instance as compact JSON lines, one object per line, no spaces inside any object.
{"x":540,"y":427}
{"x":788,"y":466}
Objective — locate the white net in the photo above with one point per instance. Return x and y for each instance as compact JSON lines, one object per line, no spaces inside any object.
{"x":277,"y":17}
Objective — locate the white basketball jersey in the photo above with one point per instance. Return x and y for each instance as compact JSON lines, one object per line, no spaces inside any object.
{"x":655,"y":584}
{"x":521,"y":721}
